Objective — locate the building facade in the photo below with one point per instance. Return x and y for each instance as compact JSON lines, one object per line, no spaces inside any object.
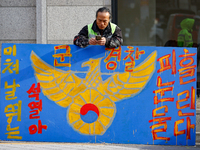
{"x":143,"y":22}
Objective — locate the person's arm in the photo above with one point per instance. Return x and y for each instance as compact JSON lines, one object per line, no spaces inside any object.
{"x":116,"y":40}
{"x":82,"y":38}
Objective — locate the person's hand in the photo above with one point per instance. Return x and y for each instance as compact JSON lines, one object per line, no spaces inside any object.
{"x":92,"y":41}
{"x":102,"y":41}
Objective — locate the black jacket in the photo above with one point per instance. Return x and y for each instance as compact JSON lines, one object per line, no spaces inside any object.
{"x":113,"y":41}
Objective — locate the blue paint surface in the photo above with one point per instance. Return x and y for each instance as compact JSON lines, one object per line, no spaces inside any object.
{"x":132,"y":122}
{"x":90,"y":117}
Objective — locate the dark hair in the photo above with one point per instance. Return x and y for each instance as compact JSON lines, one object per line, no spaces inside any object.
{"x":104,"y":9}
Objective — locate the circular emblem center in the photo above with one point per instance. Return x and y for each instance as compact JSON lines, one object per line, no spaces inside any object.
{"x":89,"y":113}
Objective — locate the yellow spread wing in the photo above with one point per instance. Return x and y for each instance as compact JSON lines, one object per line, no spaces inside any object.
{"x":58,"y":85}
{"x":124,"y":85}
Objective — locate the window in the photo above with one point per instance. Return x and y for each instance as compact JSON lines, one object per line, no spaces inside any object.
{"x":154,"y":22}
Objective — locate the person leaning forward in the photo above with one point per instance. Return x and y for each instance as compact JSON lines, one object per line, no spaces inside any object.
{"x":110,"y":34}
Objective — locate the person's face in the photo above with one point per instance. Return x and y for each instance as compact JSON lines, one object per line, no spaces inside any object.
{"x":102,"y":20}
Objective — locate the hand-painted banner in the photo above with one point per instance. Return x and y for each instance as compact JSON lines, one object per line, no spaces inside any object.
{"x":130,"y":94}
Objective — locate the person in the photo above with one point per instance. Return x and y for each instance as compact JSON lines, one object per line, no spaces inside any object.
{"x":185,"y":35}
{"x":110,"y":34}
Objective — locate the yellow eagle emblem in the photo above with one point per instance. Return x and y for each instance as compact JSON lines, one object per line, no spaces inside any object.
{"x":91,"y":100}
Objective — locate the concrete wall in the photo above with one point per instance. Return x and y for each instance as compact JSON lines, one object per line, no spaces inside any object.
{"x":89,"y":104}
{"x":65,"y":18}
{"x":45,"y":21}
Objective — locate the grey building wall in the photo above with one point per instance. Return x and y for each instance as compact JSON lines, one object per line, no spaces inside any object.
{"x":17,"y":21}
{"x":65,"y":18}
{"x":45,"y":21}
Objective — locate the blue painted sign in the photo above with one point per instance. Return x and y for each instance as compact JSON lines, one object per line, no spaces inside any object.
{"x":130,"y":94}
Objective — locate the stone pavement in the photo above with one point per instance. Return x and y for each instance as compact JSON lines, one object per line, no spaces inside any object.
{"x":86,"y":146}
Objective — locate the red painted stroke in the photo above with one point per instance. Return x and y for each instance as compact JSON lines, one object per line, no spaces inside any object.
{"x":88,"y":107}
